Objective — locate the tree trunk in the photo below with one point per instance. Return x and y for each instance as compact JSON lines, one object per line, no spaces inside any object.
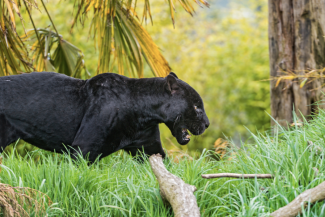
{"x":296,"y":43}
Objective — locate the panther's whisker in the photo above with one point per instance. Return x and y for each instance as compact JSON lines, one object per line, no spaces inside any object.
{"x":176,"y":120}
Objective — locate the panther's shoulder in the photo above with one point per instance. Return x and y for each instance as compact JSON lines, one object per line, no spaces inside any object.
{"x":103,"y":78}
{"x":107,"y":84}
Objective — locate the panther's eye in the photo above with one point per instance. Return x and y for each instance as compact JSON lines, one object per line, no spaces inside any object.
{"x":195,"y":107}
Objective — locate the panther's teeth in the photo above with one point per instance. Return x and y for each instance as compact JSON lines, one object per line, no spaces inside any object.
{"x":188,"y":136}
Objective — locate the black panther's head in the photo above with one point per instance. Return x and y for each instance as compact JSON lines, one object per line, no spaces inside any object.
{"x":185,"y":110}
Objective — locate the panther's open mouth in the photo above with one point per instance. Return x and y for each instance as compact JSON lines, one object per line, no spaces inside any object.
{"x":185,"y":135}
{"x":183,"y":131}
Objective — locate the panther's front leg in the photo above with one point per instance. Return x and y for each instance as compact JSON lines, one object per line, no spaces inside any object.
{"x":147,"y":142}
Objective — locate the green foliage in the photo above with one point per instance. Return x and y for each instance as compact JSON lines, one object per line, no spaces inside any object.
{"x":66,"y":58}
{"x":223,"y":54}
{"x":224,"y":58}
{"x":116,"y":186}
{"x":15,"y":57}
{"x":119,"y":186}
{"x":82,"y":50}
{"x":120,"y":38}
{"x":13,"y":53}
{"x":294,"y":156}
{"x":116,"y":31}
{"x":114,"y":28}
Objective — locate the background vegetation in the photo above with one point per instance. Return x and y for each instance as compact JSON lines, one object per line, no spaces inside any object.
{"x":221,"y":51}
{"x":223,"y":54}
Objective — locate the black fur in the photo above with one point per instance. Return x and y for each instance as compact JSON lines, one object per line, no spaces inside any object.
{"x":99,"y":116}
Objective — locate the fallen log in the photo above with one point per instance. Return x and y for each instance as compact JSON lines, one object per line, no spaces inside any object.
{"x":237,"y":175}
{"x":174,"y":190}
{"x":294,"y":208}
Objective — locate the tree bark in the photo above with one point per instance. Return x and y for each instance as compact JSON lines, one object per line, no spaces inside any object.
{"x":296,"y":43}
{"x":175,"y":190}
{"x":294,"y":208}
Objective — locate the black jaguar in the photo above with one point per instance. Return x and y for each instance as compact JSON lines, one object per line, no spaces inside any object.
{"x":97,"y":116}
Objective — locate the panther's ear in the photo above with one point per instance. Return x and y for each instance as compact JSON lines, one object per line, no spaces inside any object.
{"x":173,"y":74}
{"x":172,"y":85}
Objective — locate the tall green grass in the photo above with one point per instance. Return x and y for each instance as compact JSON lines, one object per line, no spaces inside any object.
{"x":119,"y":186}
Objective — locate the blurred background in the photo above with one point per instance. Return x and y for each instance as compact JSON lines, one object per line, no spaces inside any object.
{"x":221,"y":51}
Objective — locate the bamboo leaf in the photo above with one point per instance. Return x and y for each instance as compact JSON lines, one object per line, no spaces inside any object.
{"x":48,"y":65}
{"x":171,"y":9}
{"x":66,"y":58}
{"x":288,"y":77}
{"x":125,"y":42}
{"x":122,"y":41}
{"x":302,"y":84}
{"x":149,"y":49}
{"x":146,"y":11}
{"x":11,"y":14}
{"x":187,"y":6}
{"x":278,"y":82}
{"x":14,"y":56}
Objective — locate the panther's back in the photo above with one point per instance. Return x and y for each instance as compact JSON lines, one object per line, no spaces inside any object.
{"x":47,"y":104}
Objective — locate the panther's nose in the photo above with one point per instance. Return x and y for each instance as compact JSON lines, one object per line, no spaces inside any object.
{"x":207,"y":122}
